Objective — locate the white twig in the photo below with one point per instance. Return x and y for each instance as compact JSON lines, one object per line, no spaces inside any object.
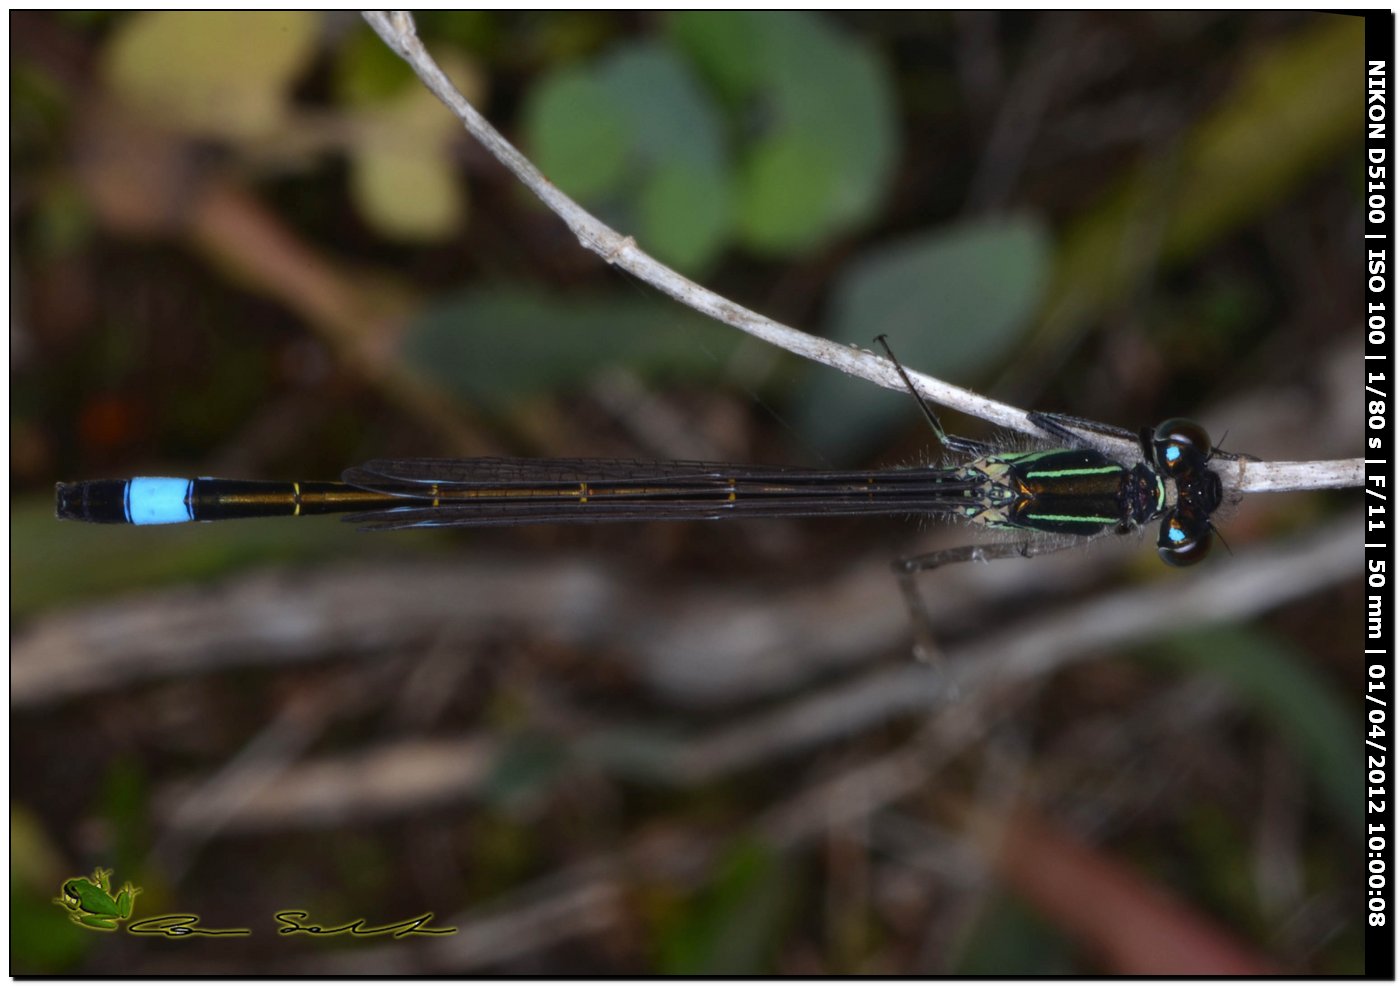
{"x":1280,"y":477}
{"x":399,"y":33}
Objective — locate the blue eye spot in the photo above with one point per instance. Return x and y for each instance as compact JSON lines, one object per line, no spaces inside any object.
{"x":1175,"y":534}
{"x":1172,"y":453}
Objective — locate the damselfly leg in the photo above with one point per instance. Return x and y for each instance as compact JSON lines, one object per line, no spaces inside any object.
{"x":907,"y":569}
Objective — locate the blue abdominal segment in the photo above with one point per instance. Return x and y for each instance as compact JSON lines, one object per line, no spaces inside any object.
{"x":158,"y":500}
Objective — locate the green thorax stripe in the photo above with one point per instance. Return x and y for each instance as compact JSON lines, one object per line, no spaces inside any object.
{"x":1089,"y":520}
{"x":1073,"y":471}
{"x":1057,"y":462}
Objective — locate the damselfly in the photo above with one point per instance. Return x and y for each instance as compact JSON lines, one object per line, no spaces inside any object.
{"x":1046,"y":497}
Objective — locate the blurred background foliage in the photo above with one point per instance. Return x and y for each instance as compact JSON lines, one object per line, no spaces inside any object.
{"x":252,"y":243}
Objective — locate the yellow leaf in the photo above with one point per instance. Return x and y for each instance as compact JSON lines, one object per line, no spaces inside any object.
{"x":407,"y":193}
{"x":402,"y":176}
{"x":216,"y":73}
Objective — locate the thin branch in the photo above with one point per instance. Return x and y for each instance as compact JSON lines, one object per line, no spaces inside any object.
{"x":1281,"y":477}
{"x":398,"y":31}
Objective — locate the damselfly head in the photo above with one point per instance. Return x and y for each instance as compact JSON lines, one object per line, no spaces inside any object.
{"x":1200,"y":491}
{"x":1185,"y":537}
{"x":1180,"y":450}
{"x":1178,"y":446}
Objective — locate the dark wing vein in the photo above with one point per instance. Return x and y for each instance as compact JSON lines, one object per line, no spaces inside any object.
{"x":413,"y":477}
{"x":515,"y":513}
{"x":491,"y":492}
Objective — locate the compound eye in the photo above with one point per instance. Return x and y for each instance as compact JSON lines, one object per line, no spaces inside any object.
{"x":1179,"y":445}
{"x":1184,"y":540}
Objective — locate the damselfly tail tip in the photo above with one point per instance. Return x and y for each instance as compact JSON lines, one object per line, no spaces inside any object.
{"x":99,"y":501}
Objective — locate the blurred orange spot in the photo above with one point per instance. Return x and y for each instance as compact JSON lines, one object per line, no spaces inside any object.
{"x":108,"y":422}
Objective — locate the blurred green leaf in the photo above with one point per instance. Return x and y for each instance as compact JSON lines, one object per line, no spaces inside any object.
{"x":953,"y":302}
{"x":1296,"y":106}
{"x":680,"y":202}
{"x":660,"y":165}
{"x":967,"y":289}
{"x":576,"y":135}
{"x":732,"y":926}
{"x":829,"y":103}
{"x":216,"y":73}
{"x":670,"y":117}
{"x":1300,"y":706}
{"x":724,"y":46}
{"x":818,"y":164}
{"x":494,"y":345}
{"x":685,"y":214}
{"x":786,"y":186}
